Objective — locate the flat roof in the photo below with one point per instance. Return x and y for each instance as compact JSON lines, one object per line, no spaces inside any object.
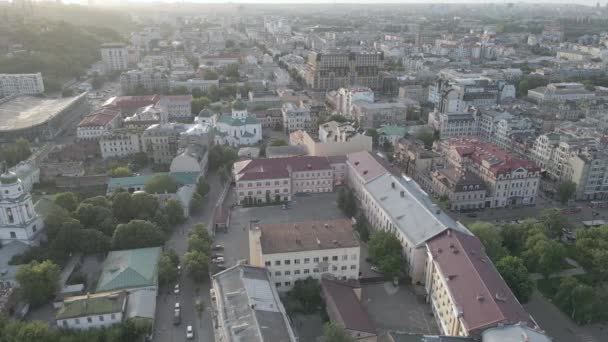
{"x":27,"y":111}
{"x":306,"y":236}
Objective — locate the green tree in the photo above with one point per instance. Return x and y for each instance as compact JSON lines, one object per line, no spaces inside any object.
{"x":209,"y":74}
{"x":372,"y":132}
{"x":66,"y":240}
{"x":38,"y":281}
{"x":575,"y":299}
{"x":35,"y":331}
{"x":93,"y":241}
{"x":565,"y":190}
{"x":543,"y":255}
{"x":67,"y":200}
{"x":347,"y":202}
{"x":554,"y":222}
{"x":137,"y":234}
{"x":362,"y":227}
{"x":122,"y":207}
{"x":222,"y":156}
{"x":196,"y":203}
{"x":96,"y":217}
{"x":202,"y":188}
{"x":196,"y":265}
{"x":198,"y":104}
{"x":167,"y":270}
{"x":54,"y":220}
{"x":120,"y":171}
{"x":427,"y":136}
{"x":334,"y":333}
{"x":385,"y":250}
{"x":161,"y":184}
{"x":591,"y":247}
{"x":100,"y":201}
{"x":279,"y":142}
{"x":491,"y":239}
{"x":175,"y":212}
{"x":516,"y":275}
{"x":144,"y":206}
{"x":304,"y":297}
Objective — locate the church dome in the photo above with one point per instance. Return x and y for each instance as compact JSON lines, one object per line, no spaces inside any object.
{"x":8,"y":178}
{"x":205,"y":113}
{"x":239,"y":105}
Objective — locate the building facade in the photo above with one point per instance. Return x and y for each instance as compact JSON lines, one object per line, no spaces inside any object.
{"x":98,"y":123}
{"x":327,"y":71}
{"x":21,"y":84}
{"x":134,"y":81}
{"x":115,"y":57}
{"x":121,"y":143}
{"x":18,"y":219}
{"x":296,"y":118}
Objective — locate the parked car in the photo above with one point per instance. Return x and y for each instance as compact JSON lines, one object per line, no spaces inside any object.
{"x":375,"y":269}
{"x":177,"y":306}
{"x":179,"y":269}
{"x":217,"y":255}
{"x":189,"y":332}
{"x":177,"y":317}
{"x":218,"y":248}
{"x":176,"y":289}
{"x":472,"y":214}
{"x":217,"y":260}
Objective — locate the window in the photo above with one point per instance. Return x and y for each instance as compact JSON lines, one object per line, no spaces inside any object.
{"x":101,"y":319}
{"x":278,"y":273}
{"x":287,"y":283}
{"x":334,"y":268}
{"x":325,"y":258}
{"x":353,"y":257}
{"x":77,"y":320}
{"x":64,"y":323}
{"x":345,"y":257}
{"x":315,"y":270}
{"x":334,"y":258}
{"x":89,"y":319}
{"x":306,"y":271}
{"x":13,"y":235}
{"x":267,"y":263}
{"x":296,"y":272}
{"x":287,"y":273}
{"x":296,"y":261}
{"x":325,"y":269}
{"x":315,"y":259}
{"x":277,"y":263}
{"x":353,"y":267}
{"x":287,"y":262}
{"x":277,"y":284}
{"x":306,"y":260}
{"x":343,"y":268}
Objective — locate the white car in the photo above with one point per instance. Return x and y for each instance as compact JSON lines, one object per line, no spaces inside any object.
{"x":177,"y":305}
{"x":375,"y":269}
{"x":176,"y":289}
{"x":218,"y":260}
{"x":189,"y":332}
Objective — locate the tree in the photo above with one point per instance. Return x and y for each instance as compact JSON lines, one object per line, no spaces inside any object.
{"x":427,"y":136}
{"x":385,"y":250}
{"x":337,"y":118}
{"x":167,"y":270}
{"x":93,"y":241}
{"x":372,"y":132}
{"x":54,"y":220}
{"x":196,"y":203}
{"x":35,"y":331}
{"x":515,"y":274}
{"x":222,"y":156}
{"x":66,"y":240}
{"x":514,"y":236}
{"x":543,"y":255}
{"x":491,"y":239}
{"x":279,"y":142}
{"x":554,"y":222}
{"x":122,"y":207}
{"x":96,"y":217}
{"x":38,"y":281}
{"x":100,"y":201}
{"x":161,"y":184}
{"x":175,"y":212}
{"x":347,"y":202}
{"x":144,"y":206}
{"x":202,"y":188}
{"x":565,"y":190}
{"x":137,"y":234}
{"x":120,"y":171}
{"x":67,"y":200}
{"x":67,"y":92}
{"x":334,"y":333}
{"x":591,"y":249}
{"x":198,"y":104}
{"x":304,"y":297}
{"x":362,"y":227}
{"x":210,"y":75}
{"x":196,"y":265}
{"x":575,"y":299}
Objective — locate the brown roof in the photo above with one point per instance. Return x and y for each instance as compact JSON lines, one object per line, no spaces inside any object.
{"x":344,"y":307}
{"x":132,"y":101}
{"x":271,"y":168}
{"x":99,"y":117}
{"x":477,"y":288}
{"x":306,"y":236}
{"x":366,"y":165}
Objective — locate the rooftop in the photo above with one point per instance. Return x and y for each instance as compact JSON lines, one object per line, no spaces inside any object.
{"x":132,"y":268}
{"x":271,"y":168}
{"x":350,"y":312}
{"x":250,"y":306}
{"x":100,"y":117}
{"x":475,"y":285}
{"x":514,"y":333}
{"x":89,"y":305}
{"x":365,"y":165}
{"x":306,"y":236}
{"x":27,"y":111}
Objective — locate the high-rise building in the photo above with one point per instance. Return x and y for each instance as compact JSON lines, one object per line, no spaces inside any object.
{"x":114,"y":56}
{"x":327,"y":71}
{"x":21,"y":84}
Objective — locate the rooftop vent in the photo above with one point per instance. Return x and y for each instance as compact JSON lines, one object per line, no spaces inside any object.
{"x":500,"y":297}
{"x":439,"y":250}
{"x":365,"y":172}
{"x":298,"y":241}
{"x":318,"y":242}
{"x":455,"y":251}
{"x":295,"y":226}
{"x":335,"y":242}
{"x":480,"y":298}
{"x":326,"y":225}
{"x":451,"y":276}
{"x":356,"y":163}
{"x":309,"y":166}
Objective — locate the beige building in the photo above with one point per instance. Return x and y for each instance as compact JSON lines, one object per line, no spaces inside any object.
{"x":466,"y":292}
{"x":298,"y":250}
{"x":374,"y":115}
{"x":327,"y":71}
{"x":464,"y":190}
{"x":354,"y":143}
{"x":121,"y":143}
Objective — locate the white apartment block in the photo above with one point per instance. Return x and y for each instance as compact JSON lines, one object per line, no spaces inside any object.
{"x":453,"y":124}
{"x":177,"y":106}
{"x":115,"y":57}
{"x":374,"y":115}
{"x":561,"y":92}
{"x":296,"y":118}
{"x":121,"y":143}
{"x":21,"y":84}
{"x":298,"y":250}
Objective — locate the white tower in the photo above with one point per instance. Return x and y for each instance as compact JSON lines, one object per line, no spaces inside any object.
{"x":18,"y":219}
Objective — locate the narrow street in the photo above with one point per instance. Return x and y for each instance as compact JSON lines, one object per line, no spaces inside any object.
{"x":164,"y":330}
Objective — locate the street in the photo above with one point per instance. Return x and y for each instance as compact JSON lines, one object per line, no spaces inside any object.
{"x":164,"y":330}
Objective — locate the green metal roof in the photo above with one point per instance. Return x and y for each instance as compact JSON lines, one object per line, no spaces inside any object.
{"x":99,"y":304}
{"x":130,"y":268}
{"x":205,"y":113}
{"x":392,"y":130}
{"x":181,"y":178}
{"x":8,"y":178}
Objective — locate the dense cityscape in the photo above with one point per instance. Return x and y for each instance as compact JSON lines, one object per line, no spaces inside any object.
{"x":298,"y":171}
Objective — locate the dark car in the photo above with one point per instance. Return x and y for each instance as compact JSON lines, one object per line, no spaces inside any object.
{"x":177,"y":317}
{"x":472,"y":215}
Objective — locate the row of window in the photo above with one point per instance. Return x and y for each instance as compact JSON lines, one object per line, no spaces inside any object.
{"x":89,"y":319}
{"x":316,"y":259}
{"x":334,"y":268}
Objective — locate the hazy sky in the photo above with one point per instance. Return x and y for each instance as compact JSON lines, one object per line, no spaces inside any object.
{"x":580,"y":2}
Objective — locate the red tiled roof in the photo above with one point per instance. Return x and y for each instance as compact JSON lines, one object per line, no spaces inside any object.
{"x":366,"y":165}
{"x":477,"y":288}
{"x":279,"y":167}
{"x":99,"y":117}
{"x":346,"y":306}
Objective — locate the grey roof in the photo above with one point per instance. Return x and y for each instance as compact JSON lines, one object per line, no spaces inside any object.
{"x":249,"y":306}
{"x":141,"y":304}
{"x":27,"y":111}
{"x":283,"y":151}
{"x":414,"y":213}
{"x":514,"y":333}
{"x":394,"y":336}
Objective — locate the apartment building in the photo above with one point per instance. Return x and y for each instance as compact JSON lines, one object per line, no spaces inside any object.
{"x":121,"y":143}
{"x":454,"y":124}
{"x":343,"y":99}
{"x":296,"y":117}
{"x":298,"y":250}
{"x":558,"y":92}
{"x":178,"y":107}
{"x":510,"y":180}
{"x":465,"y":291}
{"x":397,"y":204}
{"x":98,"y":123}
{"x":161,"y":142}
{"x":374,"y":115}
{"x":464,"y":190}
{"x":21,"y":84}
{"x":278,"y":179}
{"x":327,"y":71}
{"x":134,"y":81}
{"x":589,"y":170}
{"x":451,"y":94}
{"x":115,"y":57}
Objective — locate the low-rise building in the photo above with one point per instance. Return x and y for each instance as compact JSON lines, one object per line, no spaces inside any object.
{"x":98,"y":123}
{"x":130,"y":269}
{"x":454,"y":124}
{"x":296,"y":117}
{"x":121,"y":143}
{"x":246,"y":304}
{"x":333,"y":147}
{"x":278,"y":179}
{"x":92,"y":311}
{"x":466,"y":292}
{"x":178,"y":107}
{"x":298,"y":250}
{"x":161,"y":142}
{"x":463,"y":190}
{"x":150,"y":80}
{"x":374,"y":115}
{"x":238,"y":129}
{"x":114,"y":56}
{"x":559,"y":92}
{"x":192,"y":159}
{"x":390,"y":134}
